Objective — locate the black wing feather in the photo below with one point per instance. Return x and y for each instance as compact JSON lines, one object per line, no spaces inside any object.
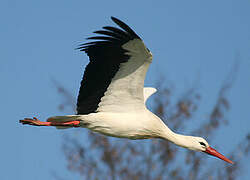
{"x":125,"y":27}
{"x":105,"y":55}
{"x":118,"y":31}
{"x":103,"y":38}
{"x":109,"y":33}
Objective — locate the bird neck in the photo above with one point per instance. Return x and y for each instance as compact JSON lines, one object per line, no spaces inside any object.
{"x":178,"y":139}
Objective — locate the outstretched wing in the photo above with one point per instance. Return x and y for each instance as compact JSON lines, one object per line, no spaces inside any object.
{"x":114,"y":78}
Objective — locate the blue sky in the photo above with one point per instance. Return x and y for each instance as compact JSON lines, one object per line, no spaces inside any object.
{"x":190,"y":40}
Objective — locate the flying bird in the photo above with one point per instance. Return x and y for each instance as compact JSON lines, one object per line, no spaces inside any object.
{"x":112,"y":95}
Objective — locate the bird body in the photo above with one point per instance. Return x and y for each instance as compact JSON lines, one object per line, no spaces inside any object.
{"x":142,"y":124}
{"x":112,"y":96}
{"x":134,"y":125}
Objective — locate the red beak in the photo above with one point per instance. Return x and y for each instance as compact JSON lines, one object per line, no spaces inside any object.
{"x":213,"y":152}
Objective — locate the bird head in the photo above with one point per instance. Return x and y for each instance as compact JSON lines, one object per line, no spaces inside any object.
{"x":200,"y":144}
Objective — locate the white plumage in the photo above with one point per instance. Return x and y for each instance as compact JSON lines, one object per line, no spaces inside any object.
{"x":147,"y":92}
{"x":112,"y":96}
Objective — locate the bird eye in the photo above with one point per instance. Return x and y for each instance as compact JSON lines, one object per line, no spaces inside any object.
{"x":202,"y":143}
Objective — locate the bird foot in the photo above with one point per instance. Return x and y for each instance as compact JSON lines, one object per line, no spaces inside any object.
{"x":35,"y":122}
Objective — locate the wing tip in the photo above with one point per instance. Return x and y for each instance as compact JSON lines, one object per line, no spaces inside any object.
{"x":125,"y":27}
{"x":111,"y":35}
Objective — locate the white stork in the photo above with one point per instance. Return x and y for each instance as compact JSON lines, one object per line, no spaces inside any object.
{"x":112,"y":96}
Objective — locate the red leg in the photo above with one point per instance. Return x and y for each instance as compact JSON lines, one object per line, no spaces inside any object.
{"x":36,"y":122}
